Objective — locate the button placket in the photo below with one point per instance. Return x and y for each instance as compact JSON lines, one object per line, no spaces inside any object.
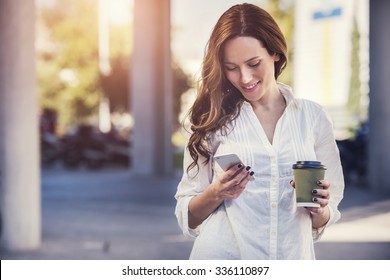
{"x":274,"y":191}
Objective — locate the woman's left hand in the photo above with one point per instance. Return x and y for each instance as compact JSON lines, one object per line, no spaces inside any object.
{"x":320,"y":195}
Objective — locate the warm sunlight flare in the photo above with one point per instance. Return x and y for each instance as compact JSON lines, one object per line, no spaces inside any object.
{"x":120,"y":11}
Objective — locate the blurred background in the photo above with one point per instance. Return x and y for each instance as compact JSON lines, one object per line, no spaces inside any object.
{"x":84,"y":57}
{"x":93,"y":95}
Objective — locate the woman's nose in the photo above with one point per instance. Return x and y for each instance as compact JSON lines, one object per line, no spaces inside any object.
{"x":246,"y":76}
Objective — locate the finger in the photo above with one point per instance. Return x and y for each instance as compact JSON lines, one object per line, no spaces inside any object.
{"x":321,"y":201}
{"x":243,"y":182}
{"x":323,"y":193}
{"x":235,"y":168}
{"x":316,"y":210}
{"x":232,"y":172}
{"x":292,"y":183}
{"x":324,"y":184}
{"x":247,"y":178}
{"x":239,"y":176}
{"x":239,"y":188}
{"x":234,"y":190}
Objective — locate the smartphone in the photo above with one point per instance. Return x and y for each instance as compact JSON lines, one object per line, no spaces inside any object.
{"x":226,"y":161}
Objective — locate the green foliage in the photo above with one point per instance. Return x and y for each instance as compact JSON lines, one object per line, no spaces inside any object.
{"x":181,"y":83}
{"x":68,"y":67}
{"x":354,"y":95}
{"x":116,"y":86}
{"x":284,"y":16}
{"x":68,"y":70}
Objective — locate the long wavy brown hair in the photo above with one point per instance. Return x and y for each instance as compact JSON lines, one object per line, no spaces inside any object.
{"x":218,"y":102}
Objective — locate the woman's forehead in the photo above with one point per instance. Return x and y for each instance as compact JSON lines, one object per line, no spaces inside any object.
{"x":243,"y":49}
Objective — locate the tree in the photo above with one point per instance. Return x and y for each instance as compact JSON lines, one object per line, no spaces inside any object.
{"x":116,"y":86}
{"x":354,"y":95}
{"x":283,"y":13}
{"x":68,"y":69}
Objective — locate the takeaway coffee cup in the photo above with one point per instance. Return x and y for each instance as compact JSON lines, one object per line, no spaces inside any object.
{"x":306,"y":175}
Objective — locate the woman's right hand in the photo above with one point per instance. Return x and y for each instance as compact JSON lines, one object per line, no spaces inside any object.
{"x":232,"y":182}
{"x":229,"y":185}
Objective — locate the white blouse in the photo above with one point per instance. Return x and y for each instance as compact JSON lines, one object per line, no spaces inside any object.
{"x":264,"y":221}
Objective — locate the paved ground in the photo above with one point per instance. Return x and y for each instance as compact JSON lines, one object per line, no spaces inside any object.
{"x":110,"y":214}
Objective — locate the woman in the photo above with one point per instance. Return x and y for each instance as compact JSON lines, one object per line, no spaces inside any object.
{"x":249,"y":211}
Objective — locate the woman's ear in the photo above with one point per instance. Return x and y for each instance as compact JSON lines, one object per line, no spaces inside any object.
{"x":276,"y":57}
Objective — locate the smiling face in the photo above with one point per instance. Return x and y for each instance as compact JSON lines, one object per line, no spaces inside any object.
{"x":249,"y":67}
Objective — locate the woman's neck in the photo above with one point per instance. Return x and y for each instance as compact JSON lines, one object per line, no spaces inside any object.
{"x":273,"y":99}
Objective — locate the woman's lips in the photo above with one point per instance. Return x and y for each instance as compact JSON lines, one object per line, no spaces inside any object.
{"x":250,"y":88}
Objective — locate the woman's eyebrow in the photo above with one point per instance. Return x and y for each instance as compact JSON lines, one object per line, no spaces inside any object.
{"x":249,"y":60}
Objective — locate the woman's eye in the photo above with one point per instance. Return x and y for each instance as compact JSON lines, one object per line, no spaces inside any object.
{"x":254,"y":64}
{"x":230,"y":68}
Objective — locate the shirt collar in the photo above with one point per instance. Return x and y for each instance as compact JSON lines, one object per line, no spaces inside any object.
{"x":287,"y":93}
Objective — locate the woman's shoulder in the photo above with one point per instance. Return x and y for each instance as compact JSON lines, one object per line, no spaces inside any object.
{"x":307,"y":111}
{"x":296,"y":102}
{"x":307,"y":105}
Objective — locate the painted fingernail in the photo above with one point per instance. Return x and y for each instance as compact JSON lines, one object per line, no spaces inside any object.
{"x":252,"y":173}
{"x":291,"y":181}
{"x":239,"y":165}
{"x":319,"y":182}
{"x":315,"y":199}
{"x":314,"y":191}
{"x":248,"y":167}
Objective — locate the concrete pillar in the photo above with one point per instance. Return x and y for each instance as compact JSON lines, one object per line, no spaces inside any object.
{"x":151,"y":87}
{"x":19,"y":157}
{"x":379,"y":113}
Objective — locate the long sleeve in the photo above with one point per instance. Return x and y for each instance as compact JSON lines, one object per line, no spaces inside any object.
{"x":327,"y":152}
{"x":191,"y":184}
